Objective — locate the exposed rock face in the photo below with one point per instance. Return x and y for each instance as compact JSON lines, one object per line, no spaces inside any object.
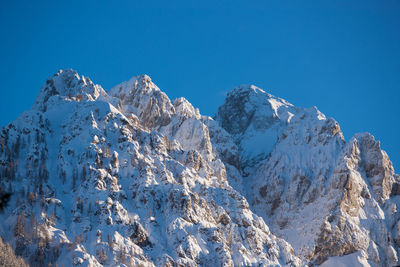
{"x":255,"y":120}
{"x":67,"y":83}
{"x":8,"y":258}
{"x":141,"y":97}
{"x":129,"y":178}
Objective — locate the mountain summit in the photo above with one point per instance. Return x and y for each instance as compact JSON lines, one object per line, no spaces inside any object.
{"x":127,"y":177}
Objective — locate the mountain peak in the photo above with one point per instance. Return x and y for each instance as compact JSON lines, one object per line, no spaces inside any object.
{"x":66,"y":83}
{"x":248,"y":103}
{"x":67,"y":80}
{"x":245,"y":89}
{"x":142,"y":97}
{"x":141,"y":82}
{"x":68,"y":72}
{"x":143,"y":79}
{"x":255,"y":119}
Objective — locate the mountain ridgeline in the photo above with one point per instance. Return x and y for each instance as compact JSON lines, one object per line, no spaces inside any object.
{"x":127,"y":177}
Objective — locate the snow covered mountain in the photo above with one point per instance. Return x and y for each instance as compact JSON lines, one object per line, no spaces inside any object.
{"x":126,"y":177}
{"x":325,"y":196}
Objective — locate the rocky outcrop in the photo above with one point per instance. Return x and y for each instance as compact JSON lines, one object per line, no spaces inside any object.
{"x":141,"y":97}
{"x":255,"y":120}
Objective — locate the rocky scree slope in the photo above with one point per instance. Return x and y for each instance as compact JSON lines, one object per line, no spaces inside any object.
{"x":126,"y":177}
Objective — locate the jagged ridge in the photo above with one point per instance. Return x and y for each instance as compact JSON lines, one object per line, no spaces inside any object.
{"x":127,"y":177}
{"x":124,"y":178}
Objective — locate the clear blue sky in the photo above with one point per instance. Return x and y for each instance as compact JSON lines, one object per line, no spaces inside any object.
{"x":341,"y":56}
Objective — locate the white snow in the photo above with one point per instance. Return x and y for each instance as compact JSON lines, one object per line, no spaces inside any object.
{"x":354,"y":260}
{"x":126,"y":177}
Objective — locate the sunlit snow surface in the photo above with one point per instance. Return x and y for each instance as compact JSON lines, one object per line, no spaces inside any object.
{"x":127,"y":177}
{"x":354,"y":260}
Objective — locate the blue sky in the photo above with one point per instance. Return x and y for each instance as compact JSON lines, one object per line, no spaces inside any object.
{"x":341,"y":56}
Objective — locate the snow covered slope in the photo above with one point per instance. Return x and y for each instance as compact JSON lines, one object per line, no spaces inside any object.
{"x":124,"y":178}
{"x":127,"y":177}
{"x":324,"y":196}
